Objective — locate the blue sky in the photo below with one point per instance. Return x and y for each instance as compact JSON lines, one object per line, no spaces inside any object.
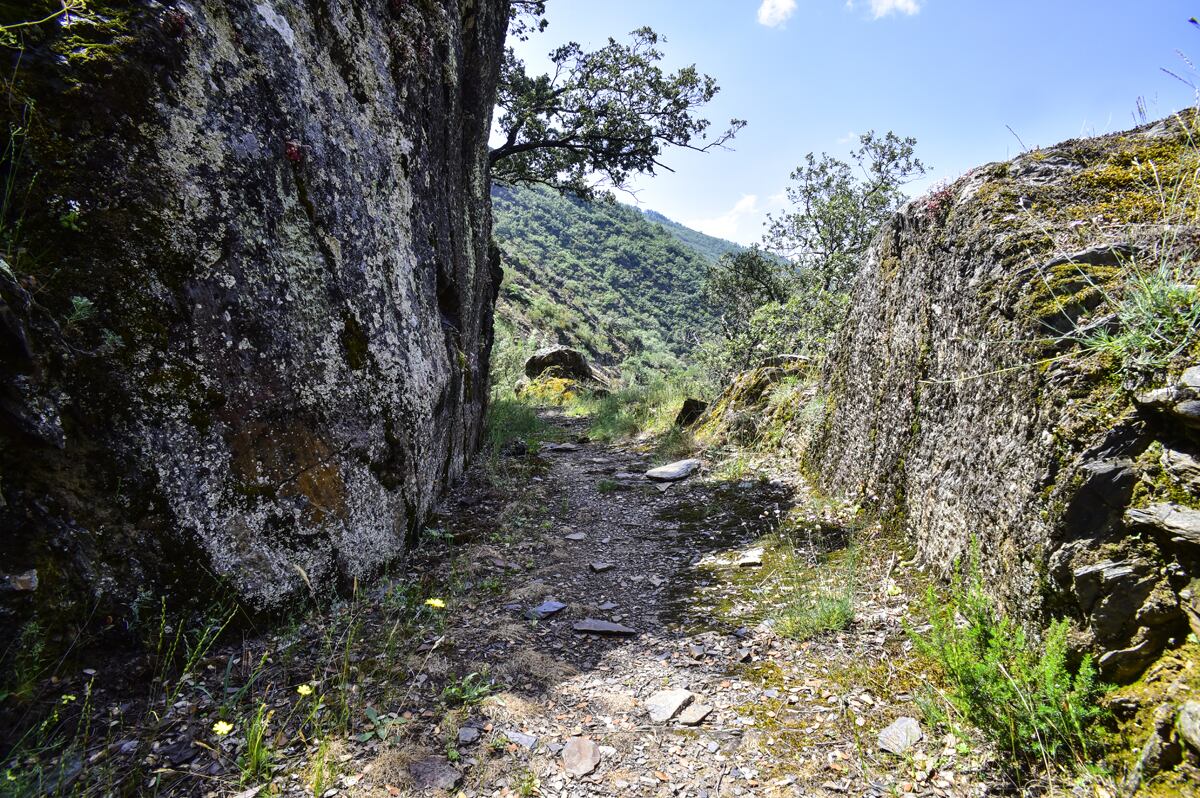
{"x":810,"y":74}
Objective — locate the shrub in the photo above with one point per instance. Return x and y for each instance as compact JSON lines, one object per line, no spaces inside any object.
{"x":1023,"y":696}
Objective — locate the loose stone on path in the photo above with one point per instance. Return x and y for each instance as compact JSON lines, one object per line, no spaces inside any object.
{"x":580,"y":756}
{"x":601,"y":567}
{"x":900,"y":736}
{"x":666,"y":704}
{"x":694,"y":714}
{"x":434,"y":773}
{"x":598,"y":627}
{"x":545,"y":610}
{"x":674,"y":471}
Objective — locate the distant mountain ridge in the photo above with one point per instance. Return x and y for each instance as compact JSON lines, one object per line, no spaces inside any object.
{"x":710,"y":247}
{"x":623,"y":284}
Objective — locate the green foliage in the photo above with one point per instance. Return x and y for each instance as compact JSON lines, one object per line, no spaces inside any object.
{"x":792,"y":302}
{"x":741,"y":282}
{"x":601,"y":277}
{"x":511,"y":420}
{"x":817,"y":605}
{"x":600,"y":118}
{"x":710,"y":247}
{"x":838,"y":206}
{"x":380,"y":727}
{"x":637,"y":409}
{"x":607,"y":486}
{"x":528,"y":784}
{"x":1023,"y":696}
{"x":469,"y":690}
{"x":24,"y":660}
{"x":1157,"y":321}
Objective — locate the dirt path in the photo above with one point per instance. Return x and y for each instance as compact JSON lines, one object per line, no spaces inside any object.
{"x":738,"y":709}
{"x":437,"y":680}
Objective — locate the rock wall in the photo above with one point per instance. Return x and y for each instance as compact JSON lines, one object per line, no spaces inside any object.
{"x":245,"y":316}
{"x":956,"y":402}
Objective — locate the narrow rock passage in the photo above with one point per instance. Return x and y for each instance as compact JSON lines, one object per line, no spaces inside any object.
{"x":691,"y":691}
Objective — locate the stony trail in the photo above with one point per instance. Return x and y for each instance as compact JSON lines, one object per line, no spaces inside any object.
{"x":566,"y":627}
{"x":699,"y":695}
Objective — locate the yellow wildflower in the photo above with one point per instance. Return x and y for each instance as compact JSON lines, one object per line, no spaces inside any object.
{"x":437,"y":604}
{"x":304,"y":689}
{"x":222,"y":727}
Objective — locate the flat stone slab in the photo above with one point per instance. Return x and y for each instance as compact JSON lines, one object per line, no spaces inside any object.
{"x":598,"y":627}
{"x":527,"y":741}
{"x":560,"y":447}
{"x":900,"y":736}
{"x":673,"y":472}
{"x":1181,"y":523}
{"x":545,"y":610}
{"x":576,"y":536}
{"x":580,"y":756}
{"x":434,"y":773}
{"x":751,"y":558}
{"x":694,"y":714}
{"x":666,"y":704}
{"x":601,"y":567}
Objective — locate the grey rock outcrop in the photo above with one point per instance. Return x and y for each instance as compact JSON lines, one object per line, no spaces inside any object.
{"x":690,"y":412}
{"x":558,"y":361}
{"x":263,"y":350}
{"x":958,"y":400}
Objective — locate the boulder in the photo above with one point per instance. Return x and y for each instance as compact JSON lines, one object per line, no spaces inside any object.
{"x":1188,"y":724}
{"x":278,"y":374}
{"x":558,"y":361}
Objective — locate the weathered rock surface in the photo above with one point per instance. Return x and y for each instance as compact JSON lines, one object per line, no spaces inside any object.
{"x":1188,"y":724}
{"x":951,"y":400}
{"x":558,"y":361}
{"x":285,"y":358}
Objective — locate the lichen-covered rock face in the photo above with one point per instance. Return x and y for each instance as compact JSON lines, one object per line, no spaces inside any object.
{"x":244,"y":331}
{"x":955,"y":401}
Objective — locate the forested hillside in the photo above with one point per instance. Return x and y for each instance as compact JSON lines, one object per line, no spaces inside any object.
{"x":621,"y":284}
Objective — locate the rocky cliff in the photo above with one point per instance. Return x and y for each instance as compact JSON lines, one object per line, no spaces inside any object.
{"x":962,"y":401}
{"x":245,"y":311}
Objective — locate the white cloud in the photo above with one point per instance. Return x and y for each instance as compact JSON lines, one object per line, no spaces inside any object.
{"x":729,"y":224}
{"x":774,"y":13}
{"x":881,"y":8}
